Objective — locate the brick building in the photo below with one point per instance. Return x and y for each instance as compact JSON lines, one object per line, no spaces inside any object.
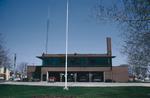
{"x":81,"y":67}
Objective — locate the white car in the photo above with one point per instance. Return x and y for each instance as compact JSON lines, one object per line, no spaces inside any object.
{"x":1,"y":78}
{"x":17,"y":79}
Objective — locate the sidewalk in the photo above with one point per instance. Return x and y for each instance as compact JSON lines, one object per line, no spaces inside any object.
{"x":78,"y":84}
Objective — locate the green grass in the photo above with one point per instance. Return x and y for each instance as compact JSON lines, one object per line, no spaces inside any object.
{"x":16,"y":91}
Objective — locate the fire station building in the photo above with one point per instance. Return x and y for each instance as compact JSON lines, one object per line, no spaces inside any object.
{"x":81,"y":68}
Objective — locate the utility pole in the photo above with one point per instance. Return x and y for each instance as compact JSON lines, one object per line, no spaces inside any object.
{"x":15,"y":65}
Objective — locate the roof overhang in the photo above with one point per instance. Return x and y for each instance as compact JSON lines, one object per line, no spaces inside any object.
{"x":75,"y":55}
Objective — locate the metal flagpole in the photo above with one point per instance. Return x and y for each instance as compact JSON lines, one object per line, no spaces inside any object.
{"x":66,"y":87}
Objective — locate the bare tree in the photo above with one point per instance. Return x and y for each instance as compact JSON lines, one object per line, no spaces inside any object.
{"x":134,"y":18}
{"x":4,"y":59}
{"x":22,"y":68}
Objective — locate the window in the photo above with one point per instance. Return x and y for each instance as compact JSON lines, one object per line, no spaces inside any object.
{"x":77,"y":61}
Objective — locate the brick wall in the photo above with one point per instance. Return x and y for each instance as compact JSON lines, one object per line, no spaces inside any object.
{"x":118,"y":74}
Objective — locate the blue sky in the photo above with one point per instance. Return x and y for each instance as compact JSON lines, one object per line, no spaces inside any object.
{"x":23,"y":26}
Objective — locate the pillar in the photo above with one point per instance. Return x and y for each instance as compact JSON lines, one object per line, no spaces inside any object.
{"x":104,"y":76}
{"x":41,"y":76}
{"x":90,"y":77}
{"x":47,"y":76}
{"x":61,"y":74}
{"x":75,"y":77}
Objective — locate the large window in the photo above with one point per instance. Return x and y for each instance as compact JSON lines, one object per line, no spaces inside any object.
{"x":77,"y":61}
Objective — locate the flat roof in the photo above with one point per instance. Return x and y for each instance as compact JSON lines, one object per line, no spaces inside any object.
{"x":75,"y":55}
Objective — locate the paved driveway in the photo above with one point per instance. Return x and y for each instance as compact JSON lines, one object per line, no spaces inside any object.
{"x":78,"y":84}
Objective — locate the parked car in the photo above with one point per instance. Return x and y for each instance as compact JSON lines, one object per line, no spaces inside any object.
{"x":25,"y":80}
{"x":109,"y":80}
{"x":2,"y":79}
{"x":97,"y":80}
{"x":70,"y":79}
{"x":83,"y":79}
{"x":51,"y":79}
{"x":35,"y":80}
{"x":17,"y":79}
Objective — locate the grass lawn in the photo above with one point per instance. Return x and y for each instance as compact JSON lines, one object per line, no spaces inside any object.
{"x":16,"y":91}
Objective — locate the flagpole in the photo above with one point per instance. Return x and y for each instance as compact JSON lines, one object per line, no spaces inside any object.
{"x":66,"y":87}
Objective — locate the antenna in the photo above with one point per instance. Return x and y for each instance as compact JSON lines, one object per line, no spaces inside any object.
{"x":47,"y":30}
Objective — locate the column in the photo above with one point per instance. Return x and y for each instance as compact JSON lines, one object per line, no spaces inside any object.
{"x":90,"y":77}
{"x":61,"y":77}
{"x":75,"y":77}
{"x":104,"y":76}
{"x":41,"y":76}
{"x":47,"y":76}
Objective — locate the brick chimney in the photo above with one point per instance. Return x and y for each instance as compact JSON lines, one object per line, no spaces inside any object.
{"x":109,"y":51}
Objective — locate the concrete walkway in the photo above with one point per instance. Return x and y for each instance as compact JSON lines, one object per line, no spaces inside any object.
{"x":78,"y":84}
